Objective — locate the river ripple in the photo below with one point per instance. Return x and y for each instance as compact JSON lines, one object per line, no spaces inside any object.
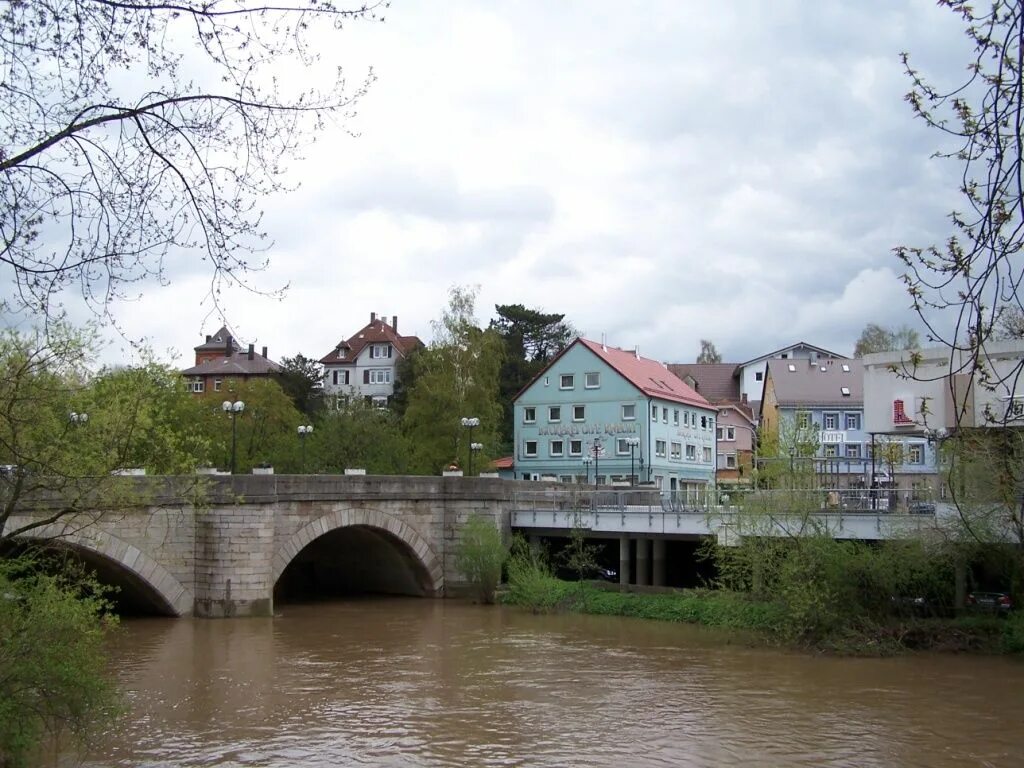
{"x":437,"y":683}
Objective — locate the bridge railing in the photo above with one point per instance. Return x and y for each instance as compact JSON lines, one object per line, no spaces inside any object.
{"x":703,"y":500}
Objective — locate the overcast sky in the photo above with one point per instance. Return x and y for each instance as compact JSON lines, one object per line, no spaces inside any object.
{"x":660,"y":172}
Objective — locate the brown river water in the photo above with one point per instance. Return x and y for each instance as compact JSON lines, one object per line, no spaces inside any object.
{"x":407,"y":682}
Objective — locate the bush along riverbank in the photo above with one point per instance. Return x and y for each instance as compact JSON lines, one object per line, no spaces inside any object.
{"x":829,"y":596}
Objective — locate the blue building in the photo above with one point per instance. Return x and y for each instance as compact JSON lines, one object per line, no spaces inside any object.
{"x":599,"y":414}
{"x":825,"y":397}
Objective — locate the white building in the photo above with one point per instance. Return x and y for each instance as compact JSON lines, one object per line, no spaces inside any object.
{"x":365,"y":364}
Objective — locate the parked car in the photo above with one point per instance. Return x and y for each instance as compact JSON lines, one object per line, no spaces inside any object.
{"x":990,"y":602}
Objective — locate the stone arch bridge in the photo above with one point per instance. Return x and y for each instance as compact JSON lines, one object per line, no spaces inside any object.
{"x":217,"y":546}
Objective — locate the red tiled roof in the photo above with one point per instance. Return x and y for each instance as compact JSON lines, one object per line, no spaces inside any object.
{"x":505,"y":462}
{"x":649,"y":376}
{"x":375,"y":332}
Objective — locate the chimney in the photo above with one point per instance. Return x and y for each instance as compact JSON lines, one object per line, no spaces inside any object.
{"x":373,"y":316}
{"x":208,"y":337}
{"x":394,"y":323}
{"x":252,"y":350}
{"x":264,"y":353}
{"x":636,"y":352}
{"x":229,"y":346}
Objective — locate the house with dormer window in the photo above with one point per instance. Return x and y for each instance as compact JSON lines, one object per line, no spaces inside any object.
{"x":220,"y":360}
{"x":604,"y":415}
{"x":365,"y":364}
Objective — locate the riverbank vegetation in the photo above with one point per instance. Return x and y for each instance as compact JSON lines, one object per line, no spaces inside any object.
{"x":816,"y":593}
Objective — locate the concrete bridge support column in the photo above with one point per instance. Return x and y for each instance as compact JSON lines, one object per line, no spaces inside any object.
{"x":624,"y":560}
{"x":658,"y":562}
{"x":642,"y":562}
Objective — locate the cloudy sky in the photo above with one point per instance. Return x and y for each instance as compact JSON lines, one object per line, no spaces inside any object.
{"x":660,"y":172}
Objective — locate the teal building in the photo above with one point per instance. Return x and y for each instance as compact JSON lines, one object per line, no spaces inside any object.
{"x":603,"y":415}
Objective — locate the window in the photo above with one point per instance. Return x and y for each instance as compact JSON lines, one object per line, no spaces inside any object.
{"x":659,"y":448}
{"x":378,"y":351}
{"x":853,"y":450}
{"x":579,"y":413}
{"x":554,"y":413}
{"x":726,"y":433}
{"x":831,"y":450}
{"x":830,"y":421}
{"x":691,"y":452}
{"x":730,"y":461}
{"x":759,"y":376}
{"x":196,"y":385}
{"x":216,"y":385}
{"x":703,"y":422}
{"x":853,"y":421}
{"x":845,"y":391}
{"x":677,"y":451}
{"x":565,"y":381}
{"x":675,"y":417}
{"x":575,"y":447}
{"x":654,"y":412}
{"x":334,"y":377}
{"x":529,"y":415}
{"x":592,"y":380}
{"x":628,"y":411}
{"x":803,"y":420}
{"x":707,"y":454}
{"x":915,"y":453}
{"x":379,"y":376}
{"x":530,"y":449}
{"x":556,"y":448}
{"x":664,"y":415}
{"x":622,"y":447}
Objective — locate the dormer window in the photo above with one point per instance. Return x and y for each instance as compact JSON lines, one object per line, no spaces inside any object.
{"x":380,"y":351}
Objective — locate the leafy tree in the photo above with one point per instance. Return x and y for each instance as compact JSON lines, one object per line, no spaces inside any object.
{"x":960,"y":289}
{"x":787,"y":451}
{"x":360,"y":435}
{"x":1010,"y":324}
{"x":64,"y":433}
{"x":708,"y":353}
{"x":532,"y":338}
{"x":119,"y":170}
{"x":265,"y":430}
{"x":405,"y":380}
{"x":875,"y":338}
{"x":480,"y":555}
{"x":53,"y":664}
{"x":456,"y":377}
{"x":302,"y":380}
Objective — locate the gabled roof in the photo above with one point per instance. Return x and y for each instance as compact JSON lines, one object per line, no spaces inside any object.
{"x":649,"y":376}
{"x":801,"y":383}
{"x":377,"y":331}
{"x":716,"y":382}
{"x":826,"y":353}
{"x":217,"y":342}
{"x":237,"y":364}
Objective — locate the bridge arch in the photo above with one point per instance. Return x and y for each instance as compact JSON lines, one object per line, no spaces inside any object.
{"x":167,"y":593}
{"x":417,"y":550}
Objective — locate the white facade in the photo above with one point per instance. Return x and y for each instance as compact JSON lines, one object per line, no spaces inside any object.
{"x":922,"y":391}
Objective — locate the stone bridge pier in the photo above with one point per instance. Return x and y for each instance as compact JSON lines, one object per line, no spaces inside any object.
{"x":217,"y":546}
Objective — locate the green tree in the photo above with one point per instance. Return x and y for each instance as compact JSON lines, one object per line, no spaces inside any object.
{"x":532,"y":338}
{"x":875,"y":338}
{"x":708,"y":353}
{"x":53,"y":665}
{"x":360,"y":435}
{"x":480,"y":555}
{"x":456,"y":377}
{"x":302,"y":380}
{"x":786,"y":454}
{"x":105,"y":173}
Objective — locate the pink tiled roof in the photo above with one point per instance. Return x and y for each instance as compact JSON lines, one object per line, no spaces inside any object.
{"x":649,"y":376}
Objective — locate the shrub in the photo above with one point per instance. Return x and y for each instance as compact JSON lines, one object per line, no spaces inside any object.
{"x":480,"y":555}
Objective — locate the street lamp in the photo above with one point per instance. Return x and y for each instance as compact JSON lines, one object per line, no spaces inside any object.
{"x":233,"y":409}
{"x":632,"y":442}
{"x":304,"y":430}
{"x":77,"y":419}
{"x":596,"y":450}
{"x":587,"y":461}
{"x":474,"y":448}
{"x":469,"y":422}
